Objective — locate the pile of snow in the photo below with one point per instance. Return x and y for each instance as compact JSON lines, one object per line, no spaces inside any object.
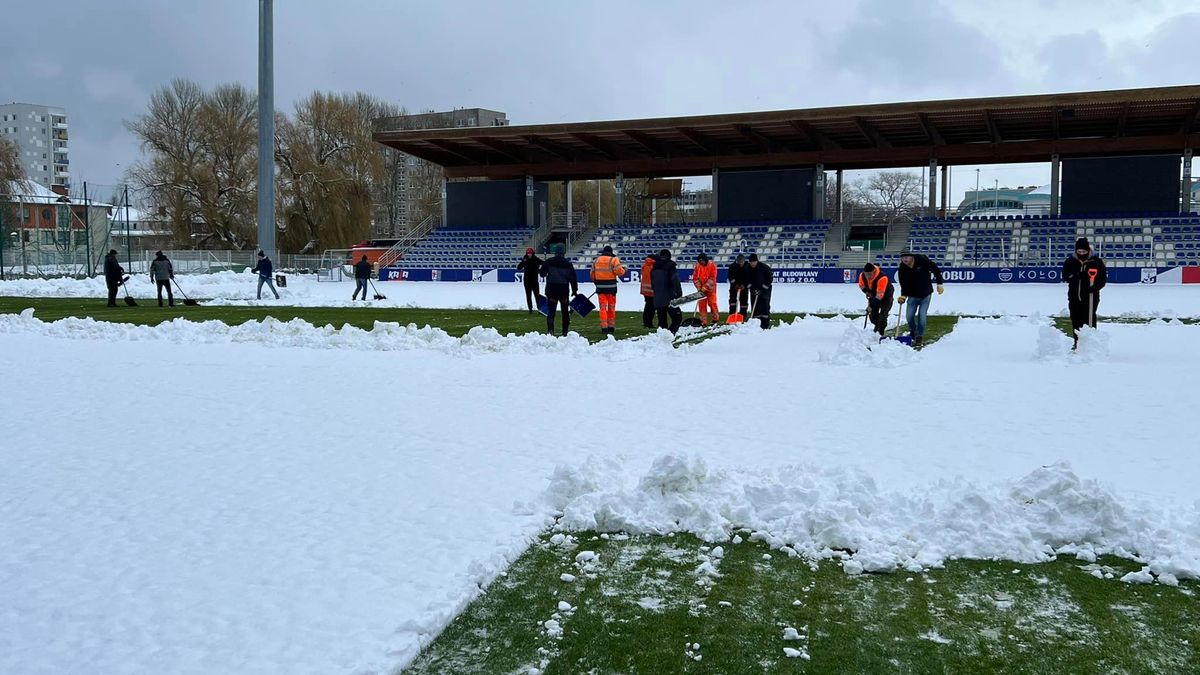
{"x":1055,"y":345}
{"x":820,"y":512}
{"x":862,"y":347}
{"x":299,"y":333}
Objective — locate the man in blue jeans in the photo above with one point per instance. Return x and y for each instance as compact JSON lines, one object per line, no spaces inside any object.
{"x":917,"y":273}
{"x":265,"y":269}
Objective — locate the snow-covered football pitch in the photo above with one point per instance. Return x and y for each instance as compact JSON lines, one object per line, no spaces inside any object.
{"x":278,"y":497}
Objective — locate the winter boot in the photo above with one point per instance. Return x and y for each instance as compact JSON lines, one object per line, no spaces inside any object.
{"x":918,"y":342}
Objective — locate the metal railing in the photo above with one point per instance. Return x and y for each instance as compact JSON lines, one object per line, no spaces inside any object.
{"x":409,"y":240}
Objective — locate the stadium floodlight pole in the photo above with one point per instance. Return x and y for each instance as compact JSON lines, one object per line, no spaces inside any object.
{"x":128,"y":247}
{"x":266,"y":129}
{"x":87,"y":230}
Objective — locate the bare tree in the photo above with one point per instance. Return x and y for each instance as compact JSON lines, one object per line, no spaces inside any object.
{"x":889,"y":194}
{"x":12,"y":175}
{"x":200,"y":167}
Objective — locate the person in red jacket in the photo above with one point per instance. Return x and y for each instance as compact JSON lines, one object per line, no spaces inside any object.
{"x":704,"y":277}
{"x":648,"y":291}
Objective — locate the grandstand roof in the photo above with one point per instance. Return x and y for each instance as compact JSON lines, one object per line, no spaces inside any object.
{"x":963,"y":131}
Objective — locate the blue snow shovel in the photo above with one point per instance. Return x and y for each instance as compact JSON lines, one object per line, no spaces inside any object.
{"x":582,"y":305}
{"x":543,"y":305}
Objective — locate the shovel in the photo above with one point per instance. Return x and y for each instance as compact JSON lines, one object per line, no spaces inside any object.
{"x":186,"y":300}
{"x":902,"y":339}
{"x":378,"y":295}
{"x":128,"y":298}
{"x":582,"y":305}
{"x":736,"y":317}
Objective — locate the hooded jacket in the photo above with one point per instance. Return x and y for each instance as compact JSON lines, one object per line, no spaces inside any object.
{"x":877,"y":287}
{"x":1084,"y":277}
{"x":560,"y":276}
{"x":363,"y":269}
{"x":739,"y":275}
{"x":664,"y":277}
{"x":605,"y":272}
{"x":704,"y":276}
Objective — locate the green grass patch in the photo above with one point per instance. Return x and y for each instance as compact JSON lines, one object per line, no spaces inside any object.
{"x":456,"y":322}
{"x":647,"y":605}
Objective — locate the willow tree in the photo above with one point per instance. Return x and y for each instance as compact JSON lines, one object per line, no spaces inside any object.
{"x":329,"y":170}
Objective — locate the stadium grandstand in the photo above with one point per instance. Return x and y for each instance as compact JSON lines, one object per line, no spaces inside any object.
{"x":1115,"y":178}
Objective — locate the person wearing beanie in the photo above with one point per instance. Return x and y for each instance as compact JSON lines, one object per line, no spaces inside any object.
{"x":875,"y":285}
{"x":561,"y":284}
{"x":113,"y":272}
{"x":760,"y":290}
{"x":704,"y":278}
{"x":606,"y":272}
{"x":916,"y":288}
{"x":265,"y":268}
{"x":738,"y":277}
{"x":531,"y":266}
{"x":647,"y":287}
{"x":1085,"y":275}
{"x":664,"y":277}
{"x":161,"y":274}
{"x":362,"y":276}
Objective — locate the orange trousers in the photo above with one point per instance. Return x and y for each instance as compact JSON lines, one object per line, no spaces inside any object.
{"x":707,"y":307}
{"x":608,"y":309}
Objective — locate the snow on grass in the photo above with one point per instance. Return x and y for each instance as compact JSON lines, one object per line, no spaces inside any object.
{"x":238,"y":288}
{"x":288,"y":498}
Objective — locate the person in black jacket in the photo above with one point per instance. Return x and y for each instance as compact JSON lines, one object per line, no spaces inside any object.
{"x":1085,"y":275}
{"x":531,"y":265}
{"x":917,"y":289}
{"x":112,"y":276}
{"x":664,"y":279}
{"x":362,"y":275}
{"x":739,"y":285}
{"x":759,"y":283}
{"x":561,"y":285}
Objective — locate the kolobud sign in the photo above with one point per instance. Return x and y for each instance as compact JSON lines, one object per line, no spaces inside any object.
{"x":808,"y":275}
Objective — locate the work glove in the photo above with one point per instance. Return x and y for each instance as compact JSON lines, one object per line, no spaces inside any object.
{"x":902,"y":299}
{"x":873,"y":302}
{"x":941,"y":289}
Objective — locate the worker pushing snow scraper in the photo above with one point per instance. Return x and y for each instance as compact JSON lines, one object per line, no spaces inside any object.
{"x":760,"y":278}
{"x":606,"y":272}
{"x":561,"y":284}
{"x":916,"y":288}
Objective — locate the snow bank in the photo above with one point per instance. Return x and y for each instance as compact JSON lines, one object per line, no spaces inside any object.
{"x":238,"y":288}
{"x":823,"y":512}
{"x":299,"y":333}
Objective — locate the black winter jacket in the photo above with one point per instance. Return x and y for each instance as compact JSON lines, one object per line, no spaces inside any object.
{"x":112,"y":268}
{"x":560,"y":275}
{"x":739,"y":275}
{"x":362,"y":270}
{"x":664,"y":279}
{"x":914,"y":281}
{"x":759,"y":278}
{"x":531,"y":266}
{"x":1077,"y":274}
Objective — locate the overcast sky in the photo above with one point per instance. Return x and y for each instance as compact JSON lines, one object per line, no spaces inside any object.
{"x":577,"y":60}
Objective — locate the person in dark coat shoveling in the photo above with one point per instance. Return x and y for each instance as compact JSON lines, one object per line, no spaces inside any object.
{"x":561,"y":285}
{"x":664,"y":279}
{"x":362,"y":275}
{"x":1085,"y":275}
{"x":113,"y":272}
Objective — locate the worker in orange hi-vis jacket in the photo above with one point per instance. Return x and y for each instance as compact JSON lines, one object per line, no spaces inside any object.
{"x":606,"y":271}
{"x":704,"y":277}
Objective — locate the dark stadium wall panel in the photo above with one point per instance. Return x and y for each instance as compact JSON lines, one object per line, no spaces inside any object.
{"x":492,"y":203}
{"x":1121,"y":184}
{"x":782,"y":194}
